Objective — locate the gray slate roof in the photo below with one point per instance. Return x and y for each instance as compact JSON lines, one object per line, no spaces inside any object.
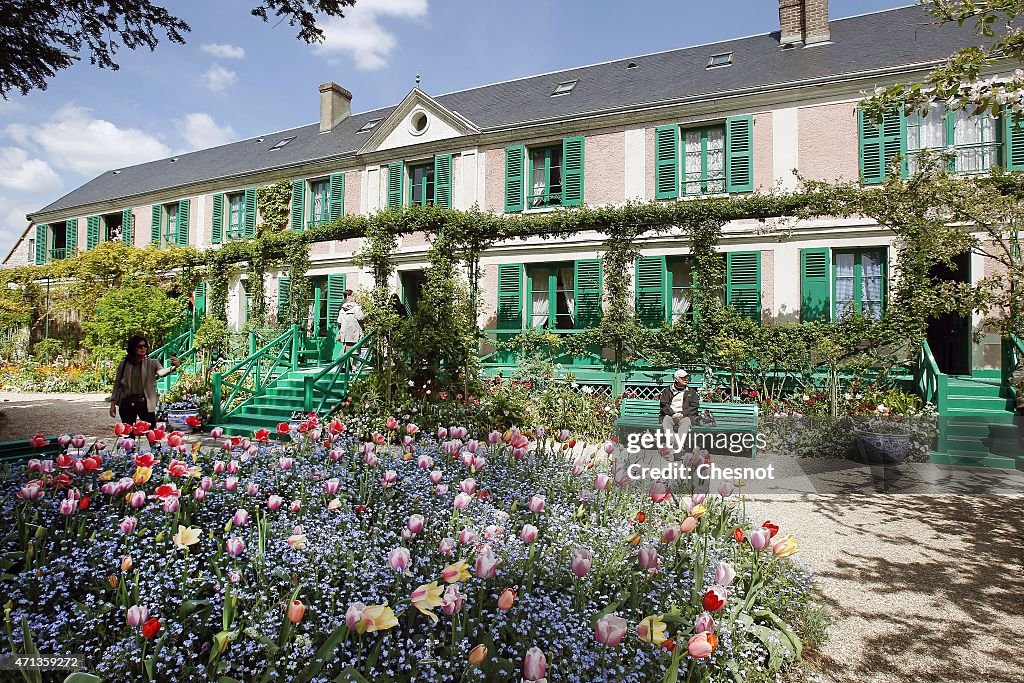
{"x":891,"y":38}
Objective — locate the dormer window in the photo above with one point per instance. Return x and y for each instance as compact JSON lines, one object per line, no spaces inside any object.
{"x":281,"y":143}
{"x":564,"y":88}
{"x":724,"y":59}
{"x":369,"y":125}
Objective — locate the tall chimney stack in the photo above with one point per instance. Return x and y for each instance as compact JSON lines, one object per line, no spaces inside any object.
{"x":335,"y":106}
{"x":803,"y":22}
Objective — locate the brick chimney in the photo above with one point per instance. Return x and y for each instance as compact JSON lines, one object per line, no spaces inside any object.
{"x":803,"y":22}
{"x":335,"y":105}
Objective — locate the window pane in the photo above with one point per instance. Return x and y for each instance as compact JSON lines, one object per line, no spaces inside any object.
{"x":871,"y":283}
{"x":844,"y":266}
{"x":975,"y":139}
{"x":716,"y":160}
{"x":555,"y":190}
{"x":566,"y":298}
{"x":681,"y":273}
{"x":540,"y":297}
{"x":693,"y":181}
{"x":320,"y":204}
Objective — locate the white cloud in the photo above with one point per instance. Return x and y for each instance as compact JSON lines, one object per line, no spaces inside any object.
{"x":223,"y":50}
{"x":218,"y":77}
{"x":74,"y":140}
{"x":200,"y":131}
{"x":18,"y":172}
{"x":12,"y":222}
{"x":361,"y":35}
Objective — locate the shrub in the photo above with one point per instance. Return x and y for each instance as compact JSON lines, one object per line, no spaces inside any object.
{"x":122,"y":313}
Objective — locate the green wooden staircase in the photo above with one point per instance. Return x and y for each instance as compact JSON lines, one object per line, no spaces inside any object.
{"x":976,"y":412}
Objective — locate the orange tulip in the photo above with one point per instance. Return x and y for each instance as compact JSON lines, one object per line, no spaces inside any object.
{"x":505,"y":600}
{"x":296,"y":611}
{"x":478,"y":655}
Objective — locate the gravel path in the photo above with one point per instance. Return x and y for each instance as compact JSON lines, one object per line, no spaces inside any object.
{"x":23,"y":414}
{"x":919,"y":587}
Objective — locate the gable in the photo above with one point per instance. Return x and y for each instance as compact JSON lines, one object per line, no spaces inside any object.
{"x":417,"y":120}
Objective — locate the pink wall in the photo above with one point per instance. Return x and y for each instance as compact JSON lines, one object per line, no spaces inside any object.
{"x":416,"y":239}
{"x":764,"y":171}
{"x":767,"y":284}
{"x":488,"y":296}
{"x":353,"y":190}
{"x":604,"y":173}
{"x":828,"y":144}
{"x":494,"y":190}
{"x":649,"y":163}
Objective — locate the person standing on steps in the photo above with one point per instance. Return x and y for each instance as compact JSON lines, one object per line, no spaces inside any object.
{"x":134,"y":393}
{"x":350,"y":318}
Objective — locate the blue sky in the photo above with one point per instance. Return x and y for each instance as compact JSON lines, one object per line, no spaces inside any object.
{"x":238,"y":77}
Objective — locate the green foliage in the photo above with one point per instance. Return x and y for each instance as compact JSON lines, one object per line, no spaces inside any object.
{"x":46,"y":350}
{"x":124,"y":312}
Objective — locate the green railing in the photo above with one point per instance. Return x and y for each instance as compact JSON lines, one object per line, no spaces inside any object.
{"x":931,"y":384}
{"x":351,"y":364}
{"x":58,"y":254}
{"x":503,"y":358}
{"x":1013,"y":356}
{"x":182,"y":347}
{"x":252,"y":376}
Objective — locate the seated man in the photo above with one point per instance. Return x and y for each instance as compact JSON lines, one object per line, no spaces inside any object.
{"x":679,"y":407}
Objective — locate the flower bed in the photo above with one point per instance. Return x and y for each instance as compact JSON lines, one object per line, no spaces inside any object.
{"x":440,"y":558}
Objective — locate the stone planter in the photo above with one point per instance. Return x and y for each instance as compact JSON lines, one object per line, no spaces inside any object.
{"x":883,"y":449}
{"x":176,"y":420}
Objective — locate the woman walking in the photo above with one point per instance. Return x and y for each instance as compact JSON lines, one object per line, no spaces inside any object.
{"x":134,"y":392}
{"x":350,"y":318}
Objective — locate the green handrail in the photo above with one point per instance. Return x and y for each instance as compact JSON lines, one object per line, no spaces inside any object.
{"x":1013,"y":355}
{"x":348,"y":366}
{"x":931,"y":384}
{"x":265,"y":366}
{"x":180,"y":346}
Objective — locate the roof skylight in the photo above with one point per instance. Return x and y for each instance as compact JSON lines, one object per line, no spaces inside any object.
{"x":724,"y":59}
{"x":369,"y":125}
{"x":281,"y":143}
{"x":564,"y":88}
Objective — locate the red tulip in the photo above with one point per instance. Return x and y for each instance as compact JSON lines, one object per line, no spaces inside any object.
{"x":773,"y":528}
{"x":151,"y":628}
{"x":193,"y":421}
{"x":714,"y":599}
{"x":283,"y":429}
{"x":140,"y":427}
{"x":262,"y":435}
{"x":84,"y":503}
{"x":738,"y":535}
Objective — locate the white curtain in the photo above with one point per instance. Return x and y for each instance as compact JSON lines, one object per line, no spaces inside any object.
{"x":978,"y":134}
{"x":925,"y":132}
{"x":844,"y":284}
{"x":538,"y":182}
{"x":871,"y":284}
{"x":566,"y":283}
{"x":716,"y":160}
{"x":693,"y":162}
{"x":540,"y":298}
{"x":681,"y":279}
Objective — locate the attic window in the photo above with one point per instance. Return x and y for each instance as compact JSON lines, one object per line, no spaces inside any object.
{"x":724,"y":59}
{"x":369,"y":125}
{"x":564,"y":88}
{"x":173,"y":159}
{"x":281,"y":143}
{"x":259,"y":140}
{"x":117,"y":171}
{"x":631,"y":65}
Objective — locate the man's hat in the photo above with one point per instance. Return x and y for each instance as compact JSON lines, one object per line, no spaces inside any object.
{"x":681,"y":374}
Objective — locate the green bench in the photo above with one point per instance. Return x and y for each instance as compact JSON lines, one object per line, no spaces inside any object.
{"x":20,"y":452}
{"x":730,"y":418}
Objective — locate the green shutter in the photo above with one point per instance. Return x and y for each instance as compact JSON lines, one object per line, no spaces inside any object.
{"x":41,"y":231}
{"x":217,"y":219}
{"x":743,"y":283}
{"x":588,"y":293}
{"x":651,"y":276}
{"x":1014,"y":142}
{"x":739,"y":150}
{"x":815,"y":288}
{"x":335,"y":296}
{"x":200,"y":297}
{"x":128,"y":227}
{"x":298,"y":205}
{"x":156,"y":224}
{"x":572,"y":171}
{"x":510,"y":296}
{"x":443,"y":181}
{"x":284,"y":292}
{"x":182,"y":237}
{"x":92,"y":231}
{"x":666,"y":162}
{"x":880,"y":144}
{"x":71,"y":236}
{"x":515,"y":169}
{"x":396,"y":176}
{"x":249,"y":220}
{"x":337,"y":199}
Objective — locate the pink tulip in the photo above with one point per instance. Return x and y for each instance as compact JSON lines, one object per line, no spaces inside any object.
{"x":536,"y":504}
{"x":128,"y":525}
{"x":252,"y":489}
{"x":274,"y":502}
{"x":241,"y":517}
{"x":528,"y":534}
{"x":466,"y":458}
{"x":33,"y":465}
{"x":467,"y":536}
{"x":68,"y":506}
{"x":468,"y":486}
{"x":234,"y":546}
{"x":371,"y":460}
{"x":218,"y":467}
{"x":234,"y":576}
{"x":486,"y":565}
{"x":406,"y":440}
{"x":473,"y":446}
{"x":424,"y":462}
{"x":454,"y":600}
{"x":137,"y":500}
{"x":331,"y":486}
{"x":415,"y":523}
{"x":199,"y":494}
{"x":670,"y":534}
{"x":659,"y":492}
{"x":479,"y":462}
{"x":216,"y":432}
{"x":601,"y":482}
{"x":699,"y":647}
{"x":436,"y":476}
{"x":724,"y":574}
{"x":610,"y":630}
{"x":705,"y":623}
{"x":442,"y":433}
{"x":447,"y":547}
{"x":648,"y":557}
{"x":581,"y":561}
{"x":726,"y":489}
{"x":64,"y":440}
{"x":170,"y":506}
{"x":462,"y":501}
{"x":609,"y":447}
{"x":354,"y":615}
{"x":494,"y":437}
{"x":206,"y":483}
{"x":296,"y":505}
{"x":441,"y":490}
{"x":535,"y":665}
{"x":231,"y":483}
{"x":398,"y":559}
{"x":390,"y":477}
{"x":336,"y":454}
{"x":285,"y":463}
{"x":688,"y":525}
{"x":233,"y":467}
{"x":391,"y":424}
{"x":137,"y":616}
{"x":407,"y":535}
{"x":760,"y":539}
{"x":411,"y":429}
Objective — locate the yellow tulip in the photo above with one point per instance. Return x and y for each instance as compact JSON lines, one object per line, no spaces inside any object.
{"x":142,"y":475}
{"x":378,"y":618}
{"x":427,"y":598}
{"x":785,"y":547}
{"x":186,"y":536}
{"x":455,"y":573}
{"x":126,"y":563}
{"x":652,"y":630}
{"x":698,"y":511}
{"x":106,"y":476}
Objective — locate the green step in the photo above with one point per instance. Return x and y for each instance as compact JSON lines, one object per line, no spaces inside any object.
{"x":973,"y":430}
{"x":968,"y":459}
{"x":1006,"y":447}
{"x":993,"y":403}
{"x":972,"y":416}
{"x":973,"y":389}
{"x":969,"y":444}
